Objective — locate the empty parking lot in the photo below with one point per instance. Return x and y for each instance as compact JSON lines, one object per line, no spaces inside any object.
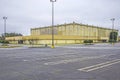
{"x":70,"y":62}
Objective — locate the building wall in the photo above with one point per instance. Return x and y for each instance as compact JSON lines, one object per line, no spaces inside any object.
{"x":74,"y":29}
{"x":64,"y":34}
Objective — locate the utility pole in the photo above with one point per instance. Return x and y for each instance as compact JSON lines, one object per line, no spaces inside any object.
{"x":4,"y":18}
{"x":52,"y":22}
{"x":113,"y":19}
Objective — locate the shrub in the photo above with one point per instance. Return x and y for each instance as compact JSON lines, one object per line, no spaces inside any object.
{"x":113,"y":37}
{"x":88,"y":41}
{"x":4,"y":41}
{"x":111,"y":40}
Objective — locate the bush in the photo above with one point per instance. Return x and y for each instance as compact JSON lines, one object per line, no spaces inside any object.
{"x":4,"y":41}
{"x":111,"y":40}
{"x":113,"y":37}
{"x":88,"y":41}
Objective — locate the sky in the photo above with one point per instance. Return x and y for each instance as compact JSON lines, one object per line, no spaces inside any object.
{"x":22,"y":15}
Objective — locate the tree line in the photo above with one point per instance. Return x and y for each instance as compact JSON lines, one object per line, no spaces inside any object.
{"x":9,"y":35}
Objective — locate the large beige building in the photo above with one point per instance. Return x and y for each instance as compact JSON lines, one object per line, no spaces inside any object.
{"x":72,"y":33}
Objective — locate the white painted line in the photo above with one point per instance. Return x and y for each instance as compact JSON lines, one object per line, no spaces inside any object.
{"x":25,"y":60}
{"x":75,"y":60}
{"x":99,"y":66}
{"x":104,"y":66}
{"x":90,"y":47}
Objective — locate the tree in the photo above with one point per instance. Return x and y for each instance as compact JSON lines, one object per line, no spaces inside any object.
{"x":113,"y":37}
{"x":12,"y":34}
{"x":2,"y":40}
{"x":2,"y":37}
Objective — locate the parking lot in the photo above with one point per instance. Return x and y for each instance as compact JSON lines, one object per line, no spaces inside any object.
{"x":69,"y":62}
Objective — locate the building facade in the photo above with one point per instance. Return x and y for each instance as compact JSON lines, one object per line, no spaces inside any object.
{"x":72,"y":33}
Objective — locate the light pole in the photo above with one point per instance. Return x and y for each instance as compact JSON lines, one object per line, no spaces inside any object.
{"x":113,"y":19}
{"x":4,"y":18}
{"x":52,"y":22}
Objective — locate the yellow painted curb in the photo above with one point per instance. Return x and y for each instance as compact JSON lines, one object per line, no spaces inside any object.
{"x":52,"y":47}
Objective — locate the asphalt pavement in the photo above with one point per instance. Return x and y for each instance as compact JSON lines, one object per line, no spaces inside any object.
{"x":68,"y":62}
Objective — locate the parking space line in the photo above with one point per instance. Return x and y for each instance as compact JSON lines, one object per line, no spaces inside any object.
{"x":77,"y":47}
{"x":99,"y":66}
{"x":75,"y":60}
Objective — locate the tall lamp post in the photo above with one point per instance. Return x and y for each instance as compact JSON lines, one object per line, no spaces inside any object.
{"x":4,"y":18}
{"x":52,"y":22}
{"x":113,"y":19}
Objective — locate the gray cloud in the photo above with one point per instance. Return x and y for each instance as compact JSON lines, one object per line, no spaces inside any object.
{"x":25,"y":14}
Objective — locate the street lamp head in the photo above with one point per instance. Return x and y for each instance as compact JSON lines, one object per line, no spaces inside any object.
{"x":112,"y":19}
{"x":52,"y":0}
{"x":4,"y":17}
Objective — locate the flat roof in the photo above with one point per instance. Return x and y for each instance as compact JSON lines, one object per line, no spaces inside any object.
{"x":73,"y":24}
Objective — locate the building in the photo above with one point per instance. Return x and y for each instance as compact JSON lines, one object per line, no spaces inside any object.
{"x":72,"y":33}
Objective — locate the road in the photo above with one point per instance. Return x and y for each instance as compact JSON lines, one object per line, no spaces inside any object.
{"x":70,"y":62}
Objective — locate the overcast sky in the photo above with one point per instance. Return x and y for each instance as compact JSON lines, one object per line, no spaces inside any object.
{"x":25,"y":14}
